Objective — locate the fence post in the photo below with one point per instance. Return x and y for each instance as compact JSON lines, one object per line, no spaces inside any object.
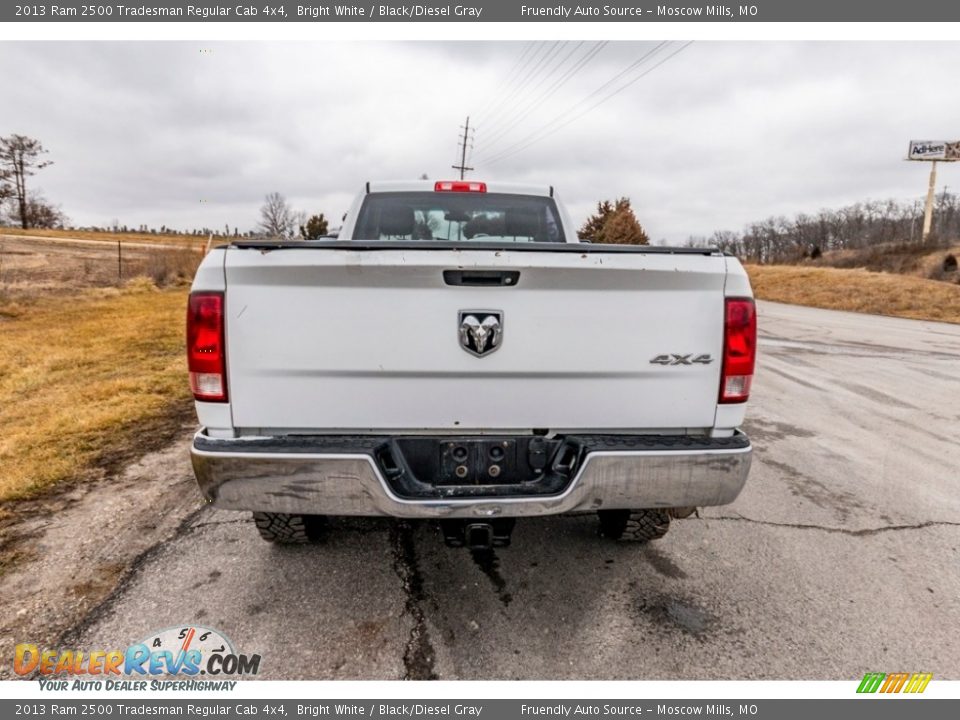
{"x":119,"y":264}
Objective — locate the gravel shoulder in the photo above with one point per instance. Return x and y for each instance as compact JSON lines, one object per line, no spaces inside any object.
{"x":66,"y":551}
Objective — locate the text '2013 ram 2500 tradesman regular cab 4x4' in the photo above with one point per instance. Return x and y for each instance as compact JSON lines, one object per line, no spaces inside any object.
{"x":457,"y":354}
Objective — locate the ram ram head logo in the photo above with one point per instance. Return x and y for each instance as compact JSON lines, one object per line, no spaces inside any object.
{"x":480,"y":331}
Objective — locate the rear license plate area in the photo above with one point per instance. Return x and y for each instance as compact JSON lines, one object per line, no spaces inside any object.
{"x":478,"y":462}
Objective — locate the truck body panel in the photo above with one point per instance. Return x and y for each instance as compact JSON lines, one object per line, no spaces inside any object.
{"x":464,"y":357}
{"x":324,"y":340}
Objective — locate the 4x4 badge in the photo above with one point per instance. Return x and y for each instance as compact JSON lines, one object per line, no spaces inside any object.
{"x":480,"y":331}
{"x":682,"y":360}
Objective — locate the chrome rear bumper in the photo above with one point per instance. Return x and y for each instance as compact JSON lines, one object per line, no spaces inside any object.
{"x":246,"y":474}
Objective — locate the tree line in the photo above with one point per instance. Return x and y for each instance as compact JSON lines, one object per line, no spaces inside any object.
{"x":22,"y":156}
{"x":863,"y":224}
{"x":774,"y":240}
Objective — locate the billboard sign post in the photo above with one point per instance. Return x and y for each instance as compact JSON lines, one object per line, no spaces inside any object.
{"x":932,"y":151}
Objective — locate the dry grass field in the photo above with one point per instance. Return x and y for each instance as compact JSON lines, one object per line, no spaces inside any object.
{"x":37,"y":267}
{"x":92,"y":368}
{"x":194,"y":241}
{"x":857,"y":290}
{"x":86,"y":380}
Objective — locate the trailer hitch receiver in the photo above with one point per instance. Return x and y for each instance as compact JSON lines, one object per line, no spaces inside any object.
{"x":478,"y":536}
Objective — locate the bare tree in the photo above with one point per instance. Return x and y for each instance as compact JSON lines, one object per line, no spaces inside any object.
{"x":300,"y":218}
{"x":42,"y":214}
{"x":277,"y":218}
{"x":20,"y":157}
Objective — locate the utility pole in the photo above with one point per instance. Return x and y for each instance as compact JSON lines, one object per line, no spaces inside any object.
{"x":928,"y":209}
{"x":464,"y":141}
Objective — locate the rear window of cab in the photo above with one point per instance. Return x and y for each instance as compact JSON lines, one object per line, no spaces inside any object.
{"x":458,"y":216}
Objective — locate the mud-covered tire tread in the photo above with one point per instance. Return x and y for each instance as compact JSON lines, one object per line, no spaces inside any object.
{"x":634,"y":526}
{"x":646,"y":525}
{"x":287,"y":529}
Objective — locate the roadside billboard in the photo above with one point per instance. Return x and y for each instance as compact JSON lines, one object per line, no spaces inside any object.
{"x":948,"y":150}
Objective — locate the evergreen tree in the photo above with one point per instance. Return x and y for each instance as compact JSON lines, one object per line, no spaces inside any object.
{"x":314,"y":228}
{"x":614,"y":223}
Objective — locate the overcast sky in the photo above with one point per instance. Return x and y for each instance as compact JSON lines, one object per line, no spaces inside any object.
{"x":191,"y":135}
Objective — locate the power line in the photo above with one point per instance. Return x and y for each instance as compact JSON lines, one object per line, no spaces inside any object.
{"x":493,"y":105}
{"x":631,"y":67}
{"x":549,"y":92}
{"x":511,"y":76}
{"x":507,"y":153}
{"x":546,"y":77}
{"x":555,"y":47}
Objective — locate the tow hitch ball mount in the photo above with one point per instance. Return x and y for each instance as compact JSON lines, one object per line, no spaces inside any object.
{"x":478,"y":536}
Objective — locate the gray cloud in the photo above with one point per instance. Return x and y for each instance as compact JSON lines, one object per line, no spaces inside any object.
{"x":191,"y":134}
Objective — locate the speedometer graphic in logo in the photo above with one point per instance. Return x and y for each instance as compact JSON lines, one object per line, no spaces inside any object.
{"x":188,"y":650}
{"x":186,"y":638}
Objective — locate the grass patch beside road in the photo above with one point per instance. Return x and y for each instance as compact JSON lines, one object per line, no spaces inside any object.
{"x":191,"y":241}
{"x":857,"y":291}
{"x":87,"y":381}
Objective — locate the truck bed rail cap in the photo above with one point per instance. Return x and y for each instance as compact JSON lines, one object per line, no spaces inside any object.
{"x":359,"y":245}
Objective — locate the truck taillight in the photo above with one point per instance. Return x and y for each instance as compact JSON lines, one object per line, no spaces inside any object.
{"x":459,"y":186}
{"x":739,"y":350}
{"x":206,"y":354}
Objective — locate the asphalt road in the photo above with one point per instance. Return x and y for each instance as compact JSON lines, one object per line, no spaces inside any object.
{"x":841,"y":555}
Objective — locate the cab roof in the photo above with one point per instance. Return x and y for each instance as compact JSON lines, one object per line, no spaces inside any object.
{"x":505,"y":188}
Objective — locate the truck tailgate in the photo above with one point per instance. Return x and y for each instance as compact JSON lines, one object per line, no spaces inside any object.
{"x":322,"y":340}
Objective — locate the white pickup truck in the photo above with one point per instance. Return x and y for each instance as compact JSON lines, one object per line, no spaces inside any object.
{"x":457,"y":354}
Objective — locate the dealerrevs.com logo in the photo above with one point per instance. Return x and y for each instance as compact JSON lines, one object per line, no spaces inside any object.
{"x":178,"y":655}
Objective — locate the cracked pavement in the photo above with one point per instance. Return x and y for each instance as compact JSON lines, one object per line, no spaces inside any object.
{"x":841,"y":555}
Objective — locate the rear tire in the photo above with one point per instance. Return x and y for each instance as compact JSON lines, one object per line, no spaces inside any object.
{"x":635,"y":526}
{"x":287,"y":529}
